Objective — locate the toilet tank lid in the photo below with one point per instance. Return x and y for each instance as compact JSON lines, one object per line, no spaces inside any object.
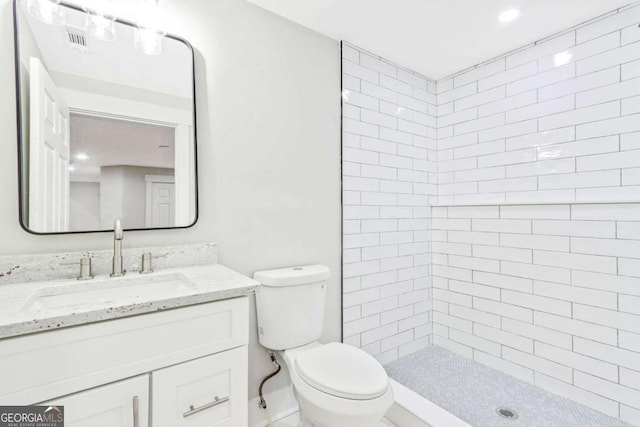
{"x":292,"y":276}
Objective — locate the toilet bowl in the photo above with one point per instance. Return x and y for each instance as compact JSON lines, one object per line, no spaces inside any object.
{"x":336,"y":385}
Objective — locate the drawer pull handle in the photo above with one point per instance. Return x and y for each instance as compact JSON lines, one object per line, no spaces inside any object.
{"x":193,"y":410}
{"x":136,"y":414}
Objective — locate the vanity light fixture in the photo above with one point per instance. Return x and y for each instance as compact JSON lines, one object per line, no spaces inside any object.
{"x":47,"y":11}
{"x":99,"y":22}
{"x":152,"y":15}
{"x":509,"y":15}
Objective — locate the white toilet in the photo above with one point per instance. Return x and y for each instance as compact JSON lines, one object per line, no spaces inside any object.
{"x":336,"y":385}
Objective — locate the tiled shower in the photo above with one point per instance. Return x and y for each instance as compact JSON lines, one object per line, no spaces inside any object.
{"x":496,"y":213}
{"x":389,"y":183}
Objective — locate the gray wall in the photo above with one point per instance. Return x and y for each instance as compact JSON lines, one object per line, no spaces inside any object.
{"x":123,"y":194}
{"x":111,"y":196}
{"x":84,"y":206}
{"x":269,"y":149}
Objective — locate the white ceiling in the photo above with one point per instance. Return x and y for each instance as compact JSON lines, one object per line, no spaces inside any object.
{"x":438,"y":37}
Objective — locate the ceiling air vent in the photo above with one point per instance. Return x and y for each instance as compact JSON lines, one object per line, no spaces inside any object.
{"x":76,"y":39}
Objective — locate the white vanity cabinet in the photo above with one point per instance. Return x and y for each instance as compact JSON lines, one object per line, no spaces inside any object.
{"x":204,"y":392}
{"x":121,"y":404}
{"x":168,"y":367}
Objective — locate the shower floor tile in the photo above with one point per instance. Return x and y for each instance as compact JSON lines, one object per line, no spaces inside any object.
{"x":472,"y":392}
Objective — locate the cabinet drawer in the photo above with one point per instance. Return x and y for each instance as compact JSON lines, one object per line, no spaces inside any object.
{"x":91,"y":355}
{"x":121,"y":404}
{"x":206,"y":392}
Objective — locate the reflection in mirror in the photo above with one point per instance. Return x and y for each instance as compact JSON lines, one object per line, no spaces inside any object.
{"x":111,"y":162}
{"x":107,"y":130}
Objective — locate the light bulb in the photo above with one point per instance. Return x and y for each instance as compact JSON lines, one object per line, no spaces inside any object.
{"x":151,"y":26}
{"x":509,"y":15}
{"x":47,"y":11}
{"x":152,"y":14}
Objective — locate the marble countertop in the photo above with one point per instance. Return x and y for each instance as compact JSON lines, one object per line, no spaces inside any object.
{"x":21,"y":312}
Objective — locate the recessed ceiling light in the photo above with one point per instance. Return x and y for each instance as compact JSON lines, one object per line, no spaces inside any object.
{"x":81,"y":156}
{"x":562,"y":58}
{"x":509,"y":15}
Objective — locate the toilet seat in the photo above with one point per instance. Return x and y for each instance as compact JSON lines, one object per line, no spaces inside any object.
{"x":342,"y":371}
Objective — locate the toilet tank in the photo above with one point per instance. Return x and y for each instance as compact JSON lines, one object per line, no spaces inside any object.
{"x":290,"y":305}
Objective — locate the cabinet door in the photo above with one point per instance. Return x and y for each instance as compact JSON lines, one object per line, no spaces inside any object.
{"x":121,"y":404}
{"x":206,"y":392}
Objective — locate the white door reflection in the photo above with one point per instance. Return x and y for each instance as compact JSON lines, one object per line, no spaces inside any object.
{"x":48,"y":152}
{"x":161,"y":199}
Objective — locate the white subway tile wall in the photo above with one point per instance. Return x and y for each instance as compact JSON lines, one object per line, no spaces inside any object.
{"x":541,"y":292}
{"x":484,"y":212}
{"x":546,"y":123}
{"x":389,"y":180}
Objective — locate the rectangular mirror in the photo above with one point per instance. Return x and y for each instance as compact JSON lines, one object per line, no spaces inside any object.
{"x":106,"y":122}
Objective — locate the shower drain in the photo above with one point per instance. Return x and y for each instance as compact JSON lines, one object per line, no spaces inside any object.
{"x":507,"y":413}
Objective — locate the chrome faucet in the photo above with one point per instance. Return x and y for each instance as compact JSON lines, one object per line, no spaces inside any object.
{"x":118,"y":236}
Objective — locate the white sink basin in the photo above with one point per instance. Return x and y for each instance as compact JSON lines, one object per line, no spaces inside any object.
{"x":112,"y":292}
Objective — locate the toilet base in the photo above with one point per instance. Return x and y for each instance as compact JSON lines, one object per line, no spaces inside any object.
{"x":319,"y":409}
{"x":313,"y":416}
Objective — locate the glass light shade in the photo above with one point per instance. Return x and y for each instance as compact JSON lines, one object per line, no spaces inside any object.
{"x":101,"y":27}
{"x":48,"y":11}
{"x":99,"y":21}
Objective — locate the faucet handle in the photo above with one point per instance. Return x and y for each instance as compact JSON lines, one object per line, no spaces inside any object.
{"x":85,"y":267}
{"x":146,"y":263}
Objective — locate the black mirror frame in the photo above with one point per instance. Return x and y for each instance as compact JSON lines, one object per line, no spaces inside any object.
{"x":22,"y":184}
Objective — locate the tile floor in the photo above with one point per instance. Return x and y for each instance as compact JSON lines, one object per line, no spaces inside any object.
{"x":472,"y":392}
